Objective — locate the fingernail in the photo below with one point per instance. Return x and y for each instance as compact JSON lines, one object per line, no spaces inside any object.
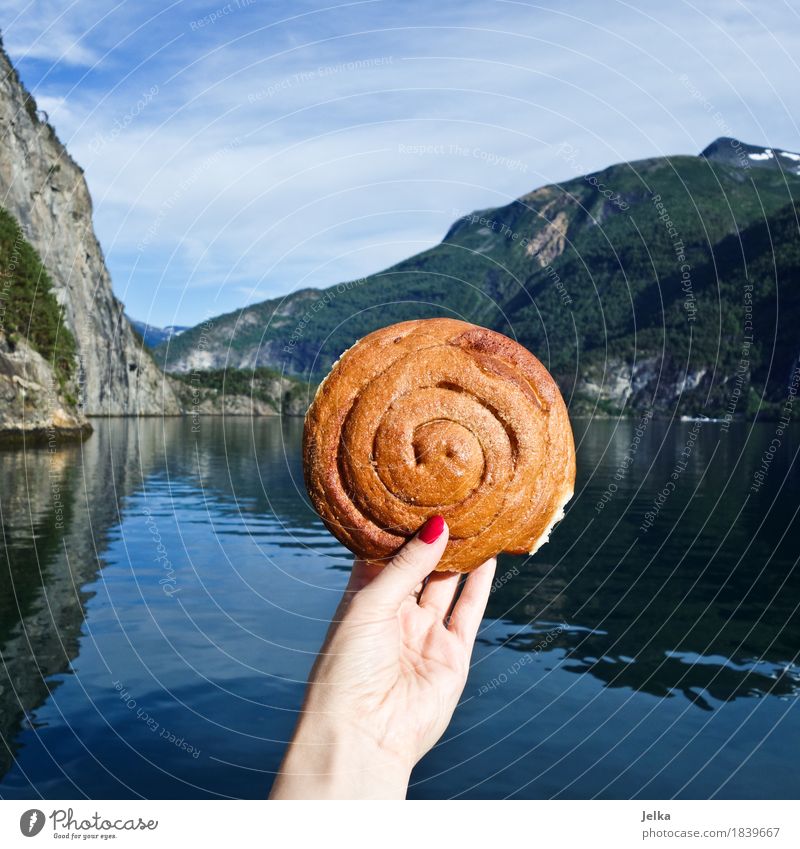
{"x":432,"y":529}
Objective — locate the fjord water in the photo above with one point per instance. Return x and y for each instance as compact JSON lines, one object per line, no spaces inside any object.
{"x":164,"y":591}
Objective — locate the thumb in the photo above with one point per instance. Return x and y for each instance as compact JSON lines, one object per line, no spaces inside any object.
{"x":412,"y":564}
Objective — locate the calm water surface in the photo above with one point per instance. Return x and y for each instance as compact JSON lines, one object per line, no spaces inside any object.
{"x":163,"y":593}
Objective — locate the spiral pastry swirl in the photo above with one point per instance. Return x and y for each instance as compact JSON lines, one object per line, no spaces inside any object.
{"x":439,"y":416}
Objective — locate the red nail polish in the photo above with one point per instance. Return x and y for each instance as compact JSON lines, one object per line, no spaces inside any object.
{"x":432,"y":529}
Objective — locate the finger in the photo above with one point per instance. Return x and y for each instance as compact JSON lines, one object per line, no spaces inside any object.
{"x":439,"y":593}
{"x":361,"y":574}
{"x":412,"y":564}
{"x":471,"y":604}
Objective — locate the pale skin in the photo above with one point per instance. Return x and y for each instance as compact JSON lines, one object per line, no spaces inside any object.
{"x":388,"y":677}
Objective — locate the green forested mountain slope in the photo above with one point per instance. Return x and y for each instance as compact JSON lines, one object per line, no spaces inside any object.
{"x":29,"y":310}
{"x":630,"y":284}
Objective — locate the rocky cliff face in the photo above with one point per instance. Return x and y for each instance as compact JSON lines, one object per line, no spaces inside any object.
{"x":30,"y":403}
{"x":46,"y":191}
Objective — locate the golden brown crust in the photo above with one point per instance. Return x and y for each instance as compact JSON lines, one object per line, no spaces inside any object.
{"x":439,"y":416}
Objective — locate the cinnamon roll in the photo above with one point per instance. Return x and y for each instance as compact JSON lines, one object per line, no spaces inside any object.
{"x":439,"y":416}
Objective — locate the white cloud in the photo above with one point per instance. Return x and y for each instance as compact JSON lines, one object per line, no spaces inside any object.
{"x":47,"y":30}
{"x":313,"y":178}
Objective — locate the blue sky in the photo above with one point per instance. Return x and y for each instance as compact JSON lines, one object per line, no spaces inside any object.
{"x":239,"y":150}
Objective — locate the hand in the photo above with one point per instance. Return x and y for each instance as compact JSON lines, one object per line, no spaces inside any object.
{"x":388,"y":676}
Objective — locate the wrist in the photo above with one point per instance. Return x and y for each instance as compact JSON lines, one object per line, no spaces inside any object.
{"x":331,"y":760}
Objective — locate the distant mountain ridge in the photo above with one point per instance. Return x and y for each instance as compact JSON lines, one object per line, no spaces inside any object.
{"x":153,"y":336}
{"x":638,"y":286}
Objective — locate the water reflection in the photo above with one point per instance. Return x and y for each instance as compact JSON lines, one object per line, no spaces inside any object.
{"x":702,"y":605}
{"x":58,"y":503}
{"x":704,"y":602}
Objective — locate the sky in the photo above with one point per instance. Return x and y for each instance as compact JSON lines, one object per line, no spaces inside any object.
{"x":237,"y":151}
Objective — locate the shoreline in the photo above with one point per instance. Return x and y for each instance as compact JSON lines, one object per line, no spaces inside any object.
{"x":38,"y":437}
{"x":19,"y":436}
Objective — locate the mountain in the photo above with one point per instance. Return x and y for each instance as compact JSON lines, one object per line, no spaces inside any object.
{"x":241,"y":392}
{"x":45,"y":192}
{"x":153,"y":336}
{"x":639,"y":286}
{"x":728,"y":151}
